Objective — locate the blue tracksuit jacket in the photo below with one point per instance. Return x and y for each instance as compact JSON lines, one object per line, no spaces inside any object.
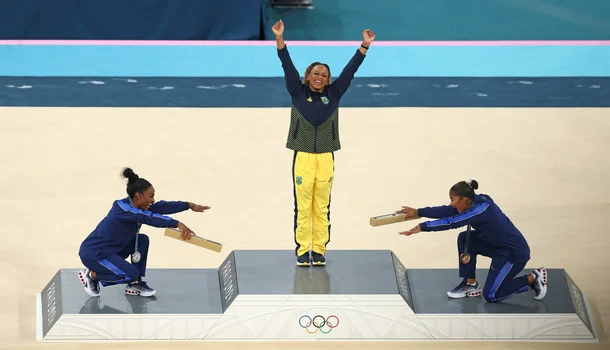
{"x":489,"y":224}
{"x":119,"y":228}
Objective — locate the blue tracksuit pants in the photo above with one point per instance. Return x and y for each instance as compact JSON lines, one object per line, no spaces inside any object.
{"x":501,"y":282}
{"x":114,"y":269}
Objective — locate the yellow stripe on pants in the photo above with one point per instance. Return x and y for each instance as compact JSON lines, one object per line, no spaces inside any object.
{"x":312,"y":175}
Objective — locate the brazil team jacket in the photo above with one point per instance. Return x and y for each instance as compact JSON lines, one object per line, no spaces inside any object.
{"x":489,"y":224}
{"x":119,"y":228}
{"x":314,"y":116}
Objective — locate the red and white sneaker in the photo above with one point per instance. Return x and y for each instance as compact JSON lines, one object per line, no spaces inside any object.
{"x":91,"y":285}
{"x":539,"y":285}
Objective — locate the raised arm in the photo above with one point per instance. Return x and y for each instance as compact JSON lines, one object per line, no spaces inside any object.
{"x":291,"y":74}
{"x":342,"y":83}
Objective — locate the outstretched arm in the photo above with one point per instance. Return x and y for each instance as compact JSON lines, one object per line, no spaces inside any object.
{"x":437,"y":212}
{"x":133,"y":214}
{"x":169,"y":207}
{"x":473,"y":215}
{"x":441,"y":211}
{"x":291,"y":74}
{"x":340,"y":86}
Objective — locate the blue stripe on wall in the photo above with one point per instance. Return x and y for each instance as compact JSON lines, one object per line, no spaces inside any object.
{"x":262,"y":61}
{"x":271,"y":92}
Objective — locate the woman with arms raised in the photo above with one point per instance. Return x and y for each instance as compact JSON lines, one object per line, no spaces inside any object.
{"x":314,"y":137}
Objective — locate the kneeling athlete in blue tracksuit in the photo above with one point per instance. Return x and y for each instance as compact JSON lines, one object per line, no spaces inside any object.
{"x":104,"y":251}
{"x":493,"y":235}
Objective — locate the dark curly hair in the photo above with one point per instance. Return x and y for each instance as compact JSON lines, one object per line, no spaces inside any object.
{"x":308,"y":70}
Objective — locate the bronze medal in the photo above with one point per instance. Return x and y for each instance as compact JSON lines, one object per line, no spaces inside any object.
{"x":464,"y":258}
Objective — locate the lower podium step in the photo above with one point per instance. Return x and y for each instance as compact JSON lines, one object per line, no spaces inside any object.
{"x":263,"y":295}
{"x":562,"y":315}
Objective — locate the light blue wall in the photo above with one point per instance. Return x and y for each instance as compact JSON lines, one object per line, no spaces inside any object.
{"x":448,"y":20}
{"x":262,"y":61}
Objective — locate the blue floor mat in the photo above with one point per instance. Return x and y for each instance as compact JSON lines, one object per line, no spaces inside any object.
{"x":271,"y":92}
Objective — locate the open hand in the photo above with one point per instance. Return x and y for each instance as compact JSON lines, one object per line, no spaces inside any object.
{"x":412,"y":231}
{"x":278,"y":28}
{"x":186,"y":232}
{"x":198,"y":208}
{"x":367,"y":37}
{"x":411,"y":212}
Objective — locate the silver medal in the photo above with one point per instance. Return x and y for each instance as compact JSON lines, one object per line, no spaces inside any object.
{"x":135,"y":256}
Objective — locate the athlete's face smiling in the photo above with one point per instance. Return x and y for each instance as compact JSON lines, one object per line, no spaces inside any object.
{"x":146,"y":199}
{"x":318,"y":78}
{"x":460,"y":203}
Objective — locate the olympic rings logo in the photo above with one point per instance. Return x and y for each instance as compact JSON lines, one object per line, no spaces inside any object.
{"x":318,"y":323}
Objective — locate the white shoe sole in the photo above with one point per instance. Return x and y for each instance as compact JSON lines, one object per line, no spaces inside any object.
{"x":83,"y":280}
{"x":135,"y":292}
{"x":474,"y":293}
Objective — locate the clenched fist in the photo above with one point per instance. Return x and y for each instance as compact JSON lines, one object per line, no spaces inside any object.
{"x":278,"y":28}
{"x":367,"y":37}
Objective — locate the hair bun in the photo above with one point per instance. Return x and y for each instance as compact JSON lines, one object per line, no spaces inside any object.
{"x":473,"y":183}
{"x":130,"y":175}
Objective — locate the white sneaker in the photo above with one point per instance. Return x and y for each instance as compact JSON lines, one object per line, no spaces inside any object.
{"x":539,"y":285}
{"x":464,"y":290}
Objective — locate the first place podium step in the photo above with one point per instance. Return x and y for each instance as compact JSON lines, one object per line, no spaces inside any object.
{"x":263,"y":295}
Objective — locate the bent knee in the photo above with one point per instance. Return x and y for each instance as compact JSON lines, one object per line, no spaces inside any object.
{"x":143,"y":239}
{"x":489,"y":300}
{"x":489,"y":297}
{"x":130,"y":272}
{"x":462,"y":236}
{"x":133,"y":274}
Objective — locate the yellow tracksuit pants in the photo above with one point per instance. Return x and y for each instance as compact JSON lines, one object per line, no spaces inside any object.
{"x":312,"y":176}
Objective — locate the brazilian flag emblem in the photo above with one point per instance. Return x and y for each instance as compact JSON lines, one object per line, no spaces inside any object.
{"x":299,"y":180}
